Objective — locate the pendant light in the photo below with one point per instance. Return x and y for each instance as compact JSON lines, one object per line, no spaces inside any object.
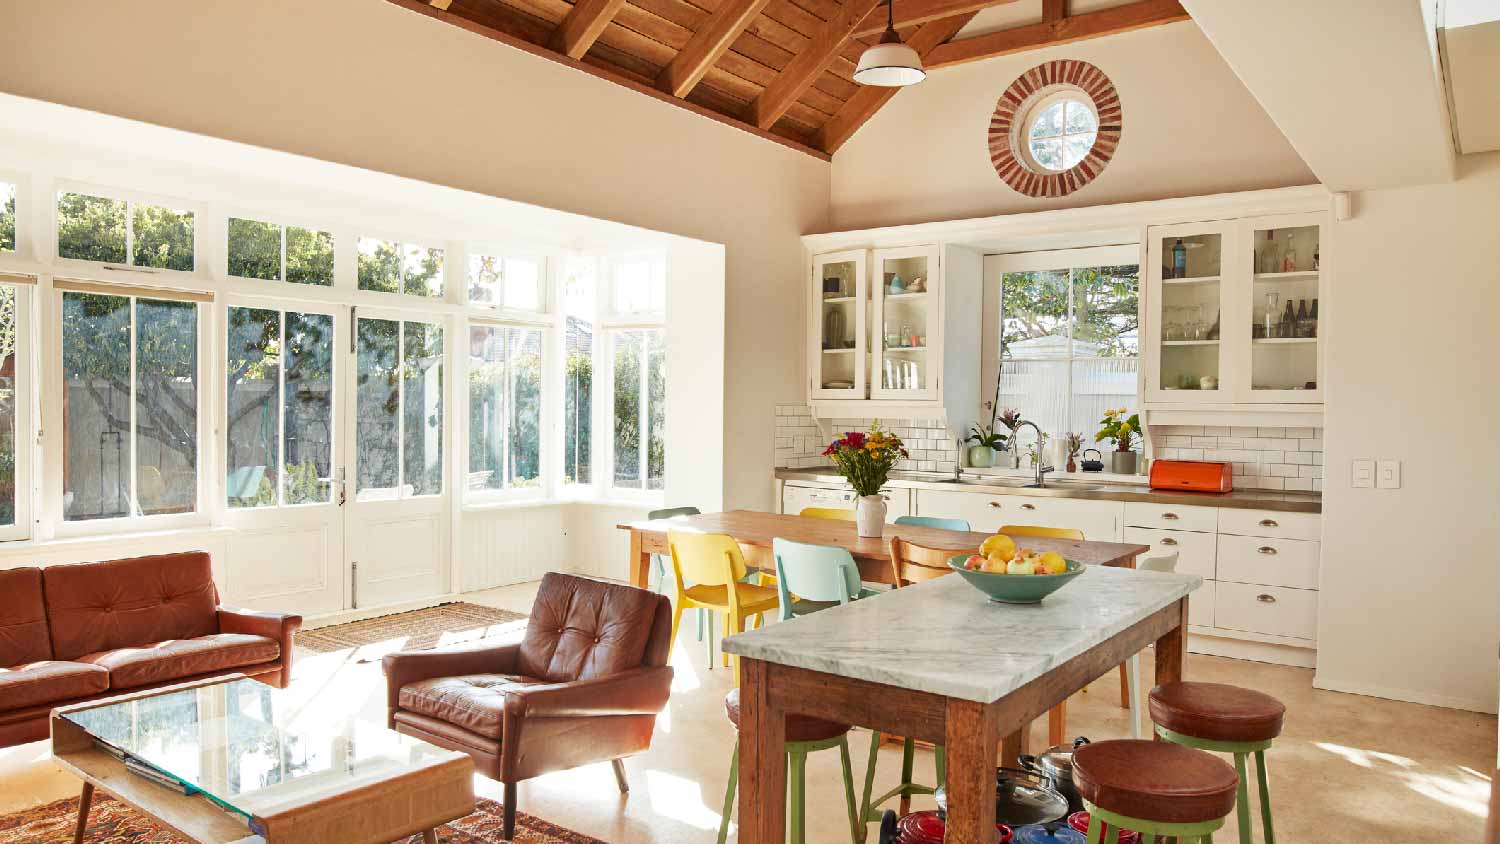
{"x":889,"y":64}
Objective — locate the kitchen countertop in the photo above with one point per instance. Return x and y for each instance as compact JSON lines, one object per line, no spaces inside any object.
{"x":945,"y":637}
{"x":1249,"y":499}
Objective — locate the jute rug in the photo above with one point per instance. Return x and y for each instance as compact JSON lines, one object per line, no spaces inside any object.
{"x":417,"y":630}
{"x":113,"y":822}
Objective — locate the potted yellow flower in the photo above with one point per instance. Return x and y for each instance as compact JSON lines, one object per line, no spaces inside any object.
{"x":1122,"y":431}
{"x":865,"y":461}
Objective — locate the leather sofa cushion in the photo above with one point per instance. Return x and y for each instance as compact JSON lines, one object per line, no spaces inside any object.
{"x":45,"y":682}
{"x":177,"y":658}
{"x":97,"y":607}
{"x":581,"y":629}
{"x":23,"y":618}
{"x":475,"y":702}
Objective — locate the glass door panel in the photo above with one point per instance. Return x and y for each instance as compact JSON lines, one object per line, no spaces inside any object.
{"x":1284,"y":309}
{"x":1188,"y":311}
{"x":907,"y":308}
{"x":838,"y":352}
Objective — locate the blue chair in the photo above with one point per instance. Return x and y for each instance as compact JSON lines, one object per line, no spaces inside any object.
{"x":814,"y":577}
{"x":659,"y":575}
{"x":934,"y":522}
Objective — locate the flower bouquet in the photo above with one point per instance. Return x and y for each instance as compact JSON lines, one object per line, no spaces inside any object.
{"x":865,"y":460}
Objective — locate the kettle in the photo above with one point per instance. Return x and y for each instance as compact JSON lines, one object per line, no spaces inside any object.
{"x":1095,"y":465}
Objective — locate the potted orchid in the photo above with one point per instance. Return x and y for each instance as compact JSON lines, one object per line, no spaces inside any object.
{"x":865,"y":460}
{"x":986,"y":442}
{"x":1010,"y":417}
{"x":1121,"y":430}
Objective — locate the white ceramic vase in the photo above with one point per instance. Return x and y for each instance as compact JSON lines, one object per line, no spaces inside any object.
{"x":869,"y":515}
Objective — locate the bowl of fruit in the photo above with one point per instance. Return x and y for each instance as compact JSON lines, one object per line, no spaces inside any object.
{"x":1010,"y":574}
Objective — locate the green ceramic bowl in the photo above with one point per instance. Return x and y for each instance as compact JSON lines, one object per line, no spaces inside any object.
{"x":1015,"y":588}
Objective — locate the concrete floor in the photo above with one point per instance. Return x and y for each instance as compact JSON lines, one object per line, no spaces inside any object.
{"x":1347,"y":768}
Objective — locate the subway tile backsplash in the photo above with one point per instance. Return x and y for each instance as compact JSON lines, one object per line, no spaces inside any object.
{"x":1263,"y":458}
{"x":800,"y":442}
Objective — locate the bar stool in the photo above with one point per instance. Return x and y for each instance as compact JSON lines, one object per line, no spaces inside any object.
{"x":1154,"y":788}
{"x":804,"y":734}
{"x":1224,"y":719}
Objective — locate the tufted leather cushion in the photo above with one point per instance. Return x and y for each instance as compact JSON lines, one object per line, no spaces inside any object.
{"x":475,"y":702}
{"x":798,"y":727}
{"x":46,"y":682}
{"x":122,"y":603}
{"x":23,"y":618}
{"x":1154,"y":780}
{"x":582,"y":628}
{"x":1216,"y":711}
{"x":171,"y":660}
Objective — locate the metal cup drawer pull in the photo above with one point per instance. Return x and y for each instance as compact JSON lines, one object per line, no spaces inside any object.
{"x":995,"y":504}
{"x":1167,"y":540}
{"x":1266,"y":549}
{"x":1169,"y":517}
{"x":1028,"y":506}
{"x":1268,"y":523}
{"x":1266,"y":599}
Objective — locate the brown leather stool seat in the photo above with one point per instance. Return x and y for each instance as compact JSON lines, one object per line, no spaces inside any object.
{"x":798,"y":727}
{"x":1217,"y":712}
{"x":1154,"y":780}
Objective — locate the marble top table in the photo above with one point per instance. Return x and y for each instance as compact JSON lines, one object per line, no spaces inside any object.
{"x":938,"y":662}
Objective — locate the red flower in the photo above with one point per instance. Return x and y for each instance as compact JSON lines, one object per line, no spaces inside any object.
{"x":854,"y":439}
{"x":832,"y":447}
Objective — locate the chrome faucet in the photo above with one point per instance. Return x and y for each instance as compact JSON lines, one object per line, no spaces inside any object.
{"x":1041,"y":469}
{"x":958,"y":460}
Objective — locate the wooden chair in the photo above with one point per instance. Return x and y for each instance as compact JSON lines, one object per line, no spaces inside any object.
{"x":934,"y":522}
{"x":836,"y":513}
{"x":714,"y":563}
{"x":912,"y":563}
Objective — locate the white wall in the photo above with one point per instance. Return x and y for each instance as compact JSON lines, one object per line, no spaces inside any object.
{"x":370,"y":84}
{"x":1410,"y":600}
{"x":1190,"y":128}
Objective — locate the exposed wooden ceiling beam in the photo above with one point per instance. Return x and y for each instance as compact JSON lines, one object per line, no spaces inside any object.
{"x":707,"y":45}
{"x":1138,"y":15}
{"x":911,"y":13}
{"x":583,"y":26}
{"x":806,"y":65}
{"x":869,"y":98}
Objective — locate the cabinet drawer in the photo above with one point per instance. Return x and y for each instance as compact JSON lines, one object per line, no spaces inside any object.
{"x":1270,"y":610}
{"x":1099,"y":520}
{"x":1195,"y":551}
{"x":1267,"y":523}
{"x":1171,"y":516}
{"x":1201,"y":605}
{"x":1272,"y":562}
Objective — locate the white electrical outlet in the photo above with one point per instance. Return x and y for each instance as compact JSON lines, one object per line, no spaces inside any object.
{"x":1362,"y":474}
{"x":1388,"y":474}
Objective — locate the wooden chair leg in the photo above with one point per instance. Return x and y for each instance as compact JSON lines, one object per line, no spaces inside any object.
{"x":1124,"y":686}
{"x":85,"y":802}
{"x":508,"y":818}
{"x":1057,"y":724}
{"x":620,"y":779}
{"x":429,"y":836}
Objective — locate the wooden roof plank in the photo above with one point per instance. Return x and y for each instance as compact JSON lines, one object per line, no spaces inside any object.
{"x":583,"y":25}
{"x":707,"y":45}
{"x":1117,"y":19}
{"x":808,"y":64}
{"x":915,"y":12}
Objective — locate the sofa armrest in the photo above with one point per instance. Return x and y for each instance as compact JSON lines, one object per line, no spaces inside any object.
{"x":405,"y":667}
{"x":272,"y":625}
{"x":638,"y":691}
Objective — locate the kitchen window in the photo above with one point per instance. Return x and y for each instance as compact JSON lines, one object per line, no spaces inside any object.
{"x":274,"y":252}
{"x":639,"y":285}
{"x":505,"y":408}
{"x":15,"y":388}
{"x":387,"y":266}
{"x":578,"y":319}
{"x":510,"y":282}
{"x":120,"y":231}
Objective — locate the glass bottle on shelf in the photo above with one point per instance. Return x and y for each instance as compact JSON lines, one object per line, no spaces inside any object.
{"x":1289,"y":257}
{"x":905,"y":339}
{"x":1315,"y":259}
{"x":1288,"y":321}
{"x":1313,"y":317}
{"x":1270,"y":259}
{"x":1179,"y":260}
{"x":1273,"y":300}
{"x":1302,"y":321}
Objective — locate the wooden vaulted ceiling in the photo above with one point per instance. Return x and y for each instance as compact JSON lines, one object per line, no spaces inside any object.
{"x":782,"y":69}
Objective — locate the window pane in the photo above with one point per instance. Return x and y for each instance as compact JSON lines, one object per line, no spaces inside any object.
{"x":1106,"y":315}
{"x":1081,"y":118}
{"x":578,"y":402}
{"x":163,"y":238}
{"x":1034,"y":315}
{"x":628,"y":346}
{"x":1049,"y":124}
{"x":7,"y":405}
{"x":522,"y":284}
{"x":422,"y":408}
{"x":504,"y":407}
{"x":640,"y":286}
{"x":656,"y":403}
{"x":423,"y":271}
{"x":484,"y":279}
{"x":96,"y":406}
{"x":526,"y":416}
{"x":166,"y":409}
{"x":309,"y":256}
{"x":377,"y":401}
{"x":1100,"y":385}
{"x":252,"y":402}
{"x":254,"y":249}
{"x":91,"y":228}
{"x":307,"y":418}
{"x":1037,"y":388}
{"x":379,"y":265}
{"x":7,"y":217}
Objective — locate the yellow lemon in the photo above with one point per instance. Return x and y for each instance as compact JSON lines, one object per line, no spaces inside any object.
{"x":1054,"y":563}
{"x":1000,"y":546}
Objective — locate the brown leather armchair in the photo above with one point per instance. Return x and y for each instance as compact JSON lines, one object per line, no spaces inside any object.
{"x":584,"y":685}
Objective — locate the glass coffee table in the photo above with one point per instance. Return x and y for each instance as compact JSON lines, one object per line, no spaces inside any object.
{"x":234,"y":761}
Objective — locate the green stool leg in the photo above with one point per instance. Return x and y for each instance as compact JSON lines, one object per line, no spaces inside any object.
{"x":940,"y":764}
{"x":1098,"y":818}
{"x":1242,"y":797}
{"x":856,"y":829}
{"x":734,"y":778}
{"x":908,"y":762}
{"x":864,"y":804}
{"x":1265,"y":796}
{"x":796,"y":783}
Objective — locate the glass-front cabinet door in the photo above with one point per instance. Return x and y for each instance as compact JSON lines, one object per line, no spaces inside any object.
{"x":1188,"y":284}
{"x":906,"y":335}
{"x":1285,"y":302}
{"x":837,"y":348}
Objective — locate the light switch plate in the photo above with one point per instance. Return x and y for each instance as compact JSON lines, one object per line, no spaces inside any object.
{"x":1388,"y":474}
{"x":1362,"y":474}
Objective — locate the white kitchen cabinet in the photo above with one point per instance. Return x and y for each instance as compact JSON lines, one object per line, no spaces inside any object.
{"x":1266,"y":610}
{"x":1099,"y":520}
{"x":1307,"y":526}
{"x":1273,"y":562}
{"x":1197,"y":553}
{"x":837,"y":347}
{"x":796,"y":495}
{"x":1171,"y":516}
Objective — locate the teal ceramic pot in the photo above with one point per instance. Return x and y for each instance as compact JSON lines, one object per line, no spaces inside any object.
{"x":981,"y":456}
{"x":1015,"y":588}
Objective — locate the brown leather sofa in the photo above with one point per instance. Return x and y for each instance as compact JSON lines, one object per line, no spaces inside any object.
{"x":74,"y":633}
{"x":584,"y":685}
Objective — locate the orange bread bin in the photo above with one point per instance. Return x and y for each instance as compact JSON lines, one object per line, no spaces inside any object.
{"x":1191,"y":475}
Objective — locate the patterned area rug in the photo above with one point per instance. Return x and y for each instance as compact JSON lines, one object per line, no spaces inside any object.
{"x":113,"y":822}
{"x":417,"y":630}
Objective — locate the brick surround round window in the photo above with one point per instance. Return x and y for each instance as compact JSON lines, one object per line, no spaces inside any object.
{"x":1070,"y":89}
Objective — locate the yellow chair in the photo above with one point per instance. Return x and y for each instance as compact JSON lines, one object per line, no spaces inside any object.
{"x":1043,"y":532}
{"x":827,"y":513}
{"x":714,"y":564}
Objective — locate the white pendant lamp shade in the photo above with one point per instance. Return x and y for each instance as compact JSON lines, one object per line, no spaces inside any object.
{"x":889,"y":64}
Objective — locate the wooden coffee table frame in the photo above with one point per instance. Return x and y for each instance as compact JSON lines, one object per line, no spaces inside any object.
{"x":439,"y":790}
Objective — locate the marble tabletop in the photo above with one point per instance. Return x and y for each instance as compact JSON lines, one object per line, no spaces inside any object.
{"x":947,"y":638}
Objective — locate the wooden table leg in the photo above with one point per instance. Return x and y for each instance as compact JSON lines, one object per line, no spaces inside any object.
{"x":971,"y":733}
{"x":429,"y":836}
{"x":640,"y":561}
{"x":763,"y":758}
{"x":1171,"y":648}
{"x":85,"y":801}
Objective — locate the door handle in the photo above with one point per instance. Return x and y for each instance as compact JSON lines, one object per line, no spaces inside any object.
{"x":994,"y":504}
{"x":1266,"y":599}
{"x":1028,"y":506}
{"x":1170,"y":517}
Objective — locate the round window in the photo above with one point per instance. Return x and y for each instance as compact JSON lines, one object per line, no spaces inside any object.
{"x":1055,"y":128}
{"x":1061,"y":130}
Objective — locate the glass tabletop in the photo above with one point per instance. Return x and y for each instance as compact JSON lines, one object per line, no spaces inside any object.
{"x":251,"y":748}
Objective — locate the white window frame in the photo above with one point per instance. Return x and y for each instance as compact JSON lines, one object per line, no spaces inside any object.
{"x":609,"y":269}
{"x":502,"y":309}
{"x":25,"y":404}
{"x":401,"y":316}
{"x":23,"y":250}
{"x":606,"y":446}
{"x":448,"y":296}
{"x":222,"y":260}
{"x":131,"y":198}
{"x":544,"y":464}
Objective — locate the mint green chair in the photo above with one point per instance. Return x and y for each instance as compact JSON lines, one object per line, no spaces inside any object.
{"x":1154,"y":788}
{"x":934,"y":522}
{"x":659,"y":576}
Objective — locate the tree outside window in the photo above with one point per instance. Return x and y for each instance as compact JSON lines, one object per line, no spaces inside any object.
{"x":639,"y":408}
{"x":116,"y":231}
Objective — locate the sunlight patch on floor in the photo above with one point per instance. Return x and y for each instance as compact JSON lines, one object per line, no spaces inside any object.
{"x":1466,"y":793}
{"x":680,"y":799}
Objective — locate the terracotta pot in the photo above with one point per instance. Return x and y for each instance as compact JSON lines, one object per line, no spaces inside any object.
{"x":869,"y":515}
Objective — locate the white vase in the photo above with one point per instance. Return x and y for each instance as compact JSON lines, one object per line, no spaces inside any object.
{"x":869,"y":515}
